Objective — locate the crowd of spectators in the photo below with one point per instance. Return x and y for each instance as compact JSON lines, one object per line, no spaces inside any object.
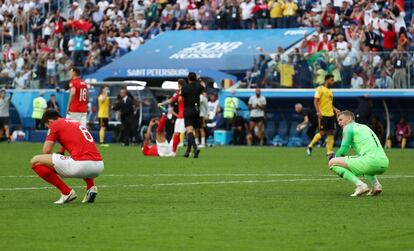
{"x":364,"y":44}
{"x":369,"y":37}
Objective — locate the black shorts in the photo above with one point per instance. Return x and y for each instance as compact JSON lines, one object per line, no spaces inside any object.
{"x":4,"y":121}
{"x":192,"y":118}
{"x":327,"y":123}
{"x":256,"y":119}
{"x":103,"y":122}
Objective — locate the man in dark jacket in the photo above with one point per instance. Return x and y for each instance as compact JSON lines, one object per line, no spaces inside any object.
{"x":364,"y":110}
{"x":125,"y":105}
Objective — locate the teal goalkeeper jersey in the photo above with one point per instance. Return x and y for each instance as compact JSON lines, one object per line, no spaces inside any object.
{"x":362,"y":139}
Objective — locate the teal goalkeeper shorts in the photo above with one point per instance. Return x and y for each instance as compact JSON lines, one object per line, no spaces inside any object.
{"x":371,"y":165}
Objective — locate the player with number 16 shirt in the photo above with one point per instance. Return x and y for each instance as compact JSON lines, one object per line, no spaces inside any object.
{"x":78,"y":98}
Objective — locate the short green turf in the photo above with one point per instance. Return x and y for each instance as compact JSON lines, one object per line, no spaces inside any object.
{"x":231,"y":198}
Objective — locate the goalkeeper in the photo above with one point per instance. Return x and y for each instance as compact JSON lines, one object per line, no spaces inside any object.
{"x":370,"y":158}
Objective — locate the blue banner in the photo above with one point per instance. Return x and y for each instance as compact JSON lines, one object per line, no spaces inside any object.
{"x":210,"y":53}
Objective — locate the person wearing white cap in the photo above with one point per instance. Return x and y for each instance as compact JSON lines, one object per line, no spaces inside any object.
{"x":103,"y":5}
{"x":76,"y":11}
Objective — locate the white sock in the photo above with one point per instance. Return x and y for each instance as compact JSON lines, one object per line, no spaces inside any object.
{"x":203,"y":140}
{"x":376,"y":183}
{"x":361,"y":184}
{"x":197,"y":141}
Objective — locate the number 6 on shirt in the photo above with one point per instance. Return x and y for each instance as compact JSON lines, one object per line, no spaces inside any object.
{"x":86,"y":133}
{"x":83,"y":94}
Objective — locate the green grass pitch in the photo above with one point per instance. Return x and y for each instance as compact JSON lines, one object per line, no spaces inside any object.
{"x":232,"y":198}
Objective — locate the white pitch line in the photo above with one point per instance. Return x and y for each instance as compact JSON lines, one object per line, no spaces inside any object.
{"x":191,"y":175}
{"x":225,"y":182}
{"x":214,"y":175}
{"x":175,"y":184}
{"x":199,"y":183}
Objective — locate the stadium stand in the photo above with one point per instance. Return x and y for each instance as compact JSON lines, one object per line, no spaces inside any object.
{"x":40,"y":40}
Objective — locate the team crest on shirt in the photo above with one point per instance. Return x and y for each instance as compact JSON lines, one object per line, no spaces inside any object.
{"x":62,"y":157}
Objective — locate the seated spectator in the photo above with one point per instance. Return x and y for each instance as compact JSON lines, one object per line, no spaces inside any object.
{"x":153,"y":30}
{"x":124,"y":43}
{"x":384,"y":81}
{"x":52,"y":104}
{"x":389,"y":68}
{"x":240,"y":129}
{"x":357,"y":82}
{"x":19,"y":83}
{"x":369,"y":78}
{"x":247,"y":81}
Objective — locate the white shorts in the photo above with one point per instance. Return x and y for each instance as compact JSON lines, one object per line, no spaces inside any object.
{"x":78,"y":116}
{"x":67,"y":167}
{"x":165,"y":149}
{"x":179,"y":126}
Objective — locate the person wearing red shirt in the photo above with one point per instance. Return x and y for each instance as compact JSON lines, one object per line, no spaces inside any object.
{"x":162,"y":148}
{"x":179,"y":127}
{"x":311,"y":44}
{"x":328,"y":17}
{"x":58,"y":25}
{"x":84,"y":161}
{"x":389,"y":38}
{"x":78,"y":98}
{"x":325,"y":44}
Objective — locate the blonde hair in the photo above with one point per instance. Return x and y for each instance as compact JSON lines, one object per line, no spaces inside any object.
{"x":348,"y":114}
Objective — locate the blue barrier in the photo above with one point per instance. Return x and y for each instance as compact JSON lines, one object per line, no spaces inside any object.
{"x":222,"y":137}
{"x":23,"y":102}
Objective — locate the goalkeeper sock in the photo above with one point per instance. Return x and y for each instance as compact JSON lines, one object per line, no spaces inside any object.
{"x":50,"y":176}
{"x":161,"y":124}
{"x":315,"y":139}
{"x":89,"y":183}
{"x":102,"y":135}
{"x":372,"y":179}
{"x":348,"y":175}
{"x":329,"y":144}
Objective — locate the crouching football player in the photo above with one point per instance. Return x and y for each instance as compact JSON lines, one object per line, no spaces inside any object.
{"x":162,"y":148}
{"x":84,"y":161}
{"x":370,"y":158}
